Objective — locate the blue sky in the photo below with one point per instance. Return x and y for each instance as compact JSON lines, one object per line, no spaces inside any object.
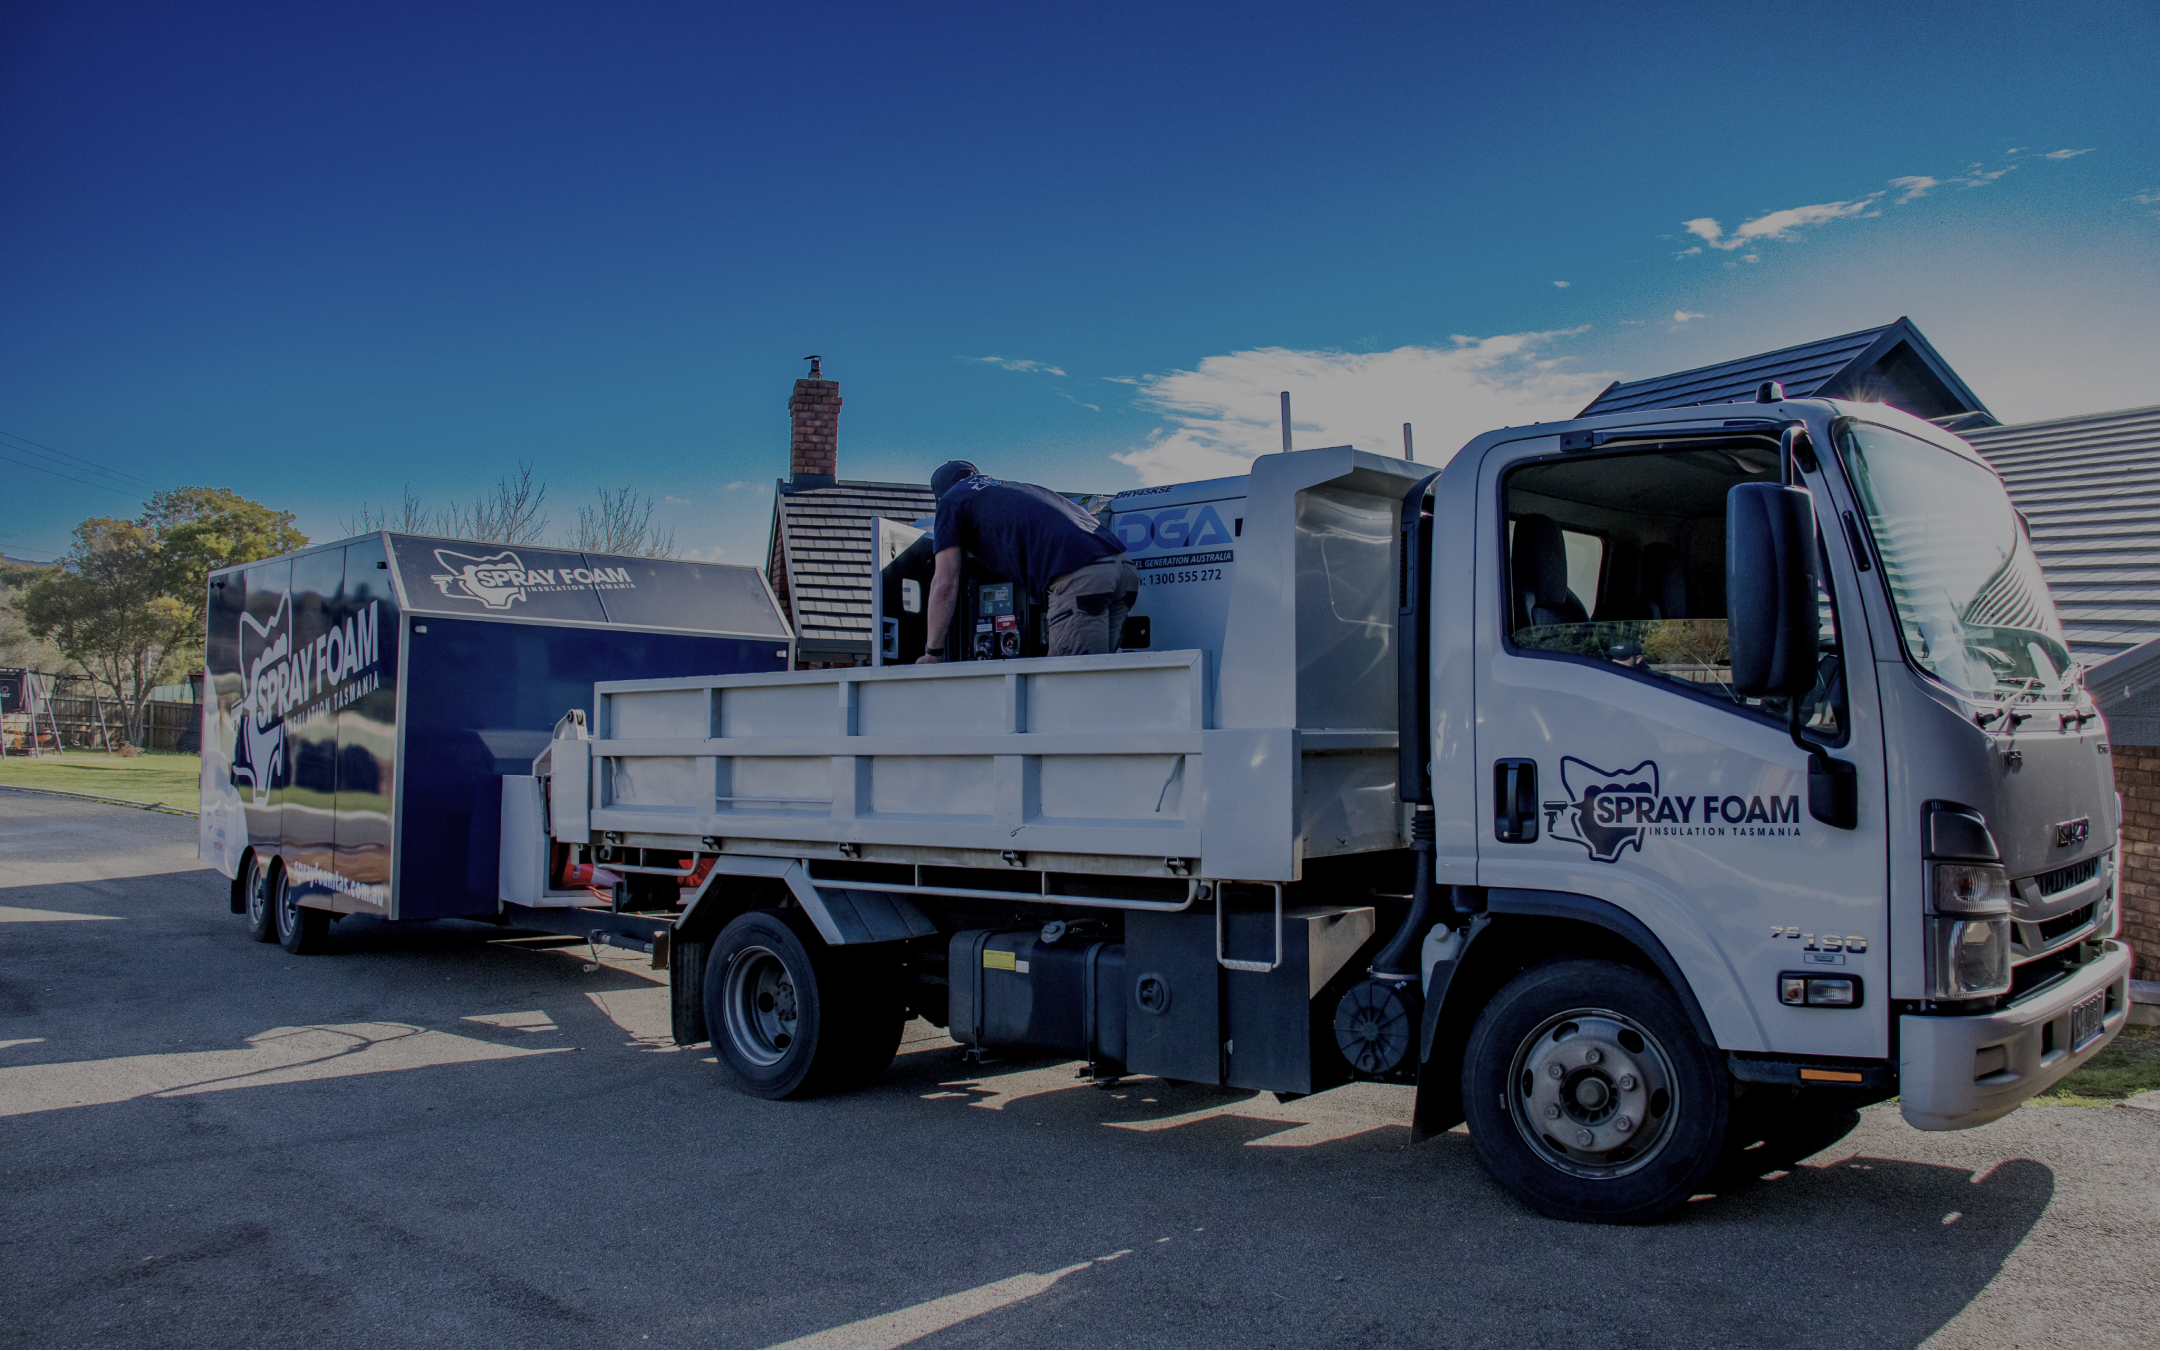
{"x":319,"y":253}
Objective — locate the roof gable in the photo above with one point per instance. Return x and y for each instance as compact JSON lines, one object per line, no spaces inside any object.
{"x":820,"y":556}
{"x":1893,"y":364}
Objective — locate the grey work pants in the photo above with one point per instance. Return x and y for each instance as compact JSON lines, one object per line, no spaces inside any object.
{"x":1088,"y":606}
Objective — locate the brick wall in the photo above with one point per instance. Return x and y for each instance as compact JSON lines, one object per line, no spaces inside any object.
{"x":814,"y":412}
{"x":2137,"y":769}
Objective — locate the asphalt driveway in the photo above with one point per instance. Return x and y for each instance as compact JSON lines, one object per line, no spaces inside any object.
{"x":435,"y":1136}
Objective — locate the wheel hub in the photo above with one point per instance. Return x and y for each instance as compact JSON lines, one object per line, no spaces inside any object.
{"x":1594,"y":1093}
{"x":760,"y":1013}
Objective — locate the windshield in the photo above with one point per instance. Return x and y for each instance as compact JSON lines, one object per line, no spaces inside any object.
{"x":1972,"y":606}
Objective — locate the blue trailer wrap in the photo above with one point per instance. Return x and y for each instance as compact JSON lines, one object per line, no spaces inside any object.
{"x":365,"y":698}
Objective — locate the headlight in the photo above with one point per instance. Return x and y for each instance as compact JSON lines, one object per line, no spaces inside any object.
{"x":1971,"y":889}
{"x":1968,"y":958}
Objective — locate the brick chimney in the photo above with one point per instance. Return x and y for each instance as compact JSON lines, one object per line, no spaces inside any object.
{"x":814,"y":414}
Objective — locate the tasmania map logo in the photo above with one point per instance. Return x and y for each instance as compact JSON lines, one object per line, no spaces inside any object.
{"x":499,"y":581}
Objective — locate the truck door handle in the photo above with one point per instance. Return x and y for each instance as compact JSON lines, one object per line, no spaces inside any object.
{"x":1515,"y":801}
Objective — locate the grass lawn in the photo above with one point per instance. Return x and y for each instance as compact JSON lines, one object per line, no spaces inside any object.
{"x":2130,"y":1065}
{"x":168,"y":780}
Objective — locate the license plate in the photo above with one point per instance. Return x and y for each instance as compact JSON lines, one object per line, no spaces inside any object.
{"x":2086,"y":1020}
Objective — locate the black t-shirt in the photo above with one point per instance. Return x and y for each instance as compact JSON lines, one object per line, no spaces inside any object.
{"x":1023,"y":533}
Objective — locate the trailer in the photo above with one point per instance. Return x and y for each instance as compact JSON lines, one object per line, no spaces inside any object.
{"x":366,"y":697}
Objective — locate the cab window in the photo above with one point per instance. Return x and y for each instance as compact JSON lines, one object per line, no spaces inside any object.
{"x":1619,"y":559}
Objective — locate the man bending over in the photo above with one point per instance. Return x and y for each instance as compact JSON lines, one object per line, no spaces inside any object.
{"x":1040,"y":542}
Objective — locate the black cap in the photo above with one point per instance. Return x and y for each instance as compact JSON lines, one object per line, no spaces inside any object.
{"x":951,"y":472}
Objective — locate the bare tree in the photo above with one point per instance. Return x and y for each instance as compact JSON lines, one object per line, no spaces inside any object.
{"x":511,"y":515}
{"x":621,"y":523}
{"x":410,"y":517}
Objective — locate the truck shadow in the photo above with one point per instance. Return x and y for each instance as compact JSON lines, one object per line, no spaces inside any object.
{"x":1809,"y":1240}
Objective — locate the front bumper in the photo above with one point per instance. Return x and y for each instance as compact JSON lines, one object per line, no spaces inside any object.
{"x":1940,"y":1084}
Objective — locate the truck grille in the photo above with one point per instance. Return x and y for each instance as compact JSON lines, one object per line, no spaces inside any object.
{"x":2053,"y":929}
{"x":2063,"y":879}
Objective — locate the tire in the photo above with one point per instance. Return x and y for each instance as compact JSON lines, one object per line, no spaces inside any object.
{"x":686,"y":989}
{"x":302,"y":930}
{"x":261,"y":902}
{"x":790,"y":1017}
{"x":1590,"y":1096}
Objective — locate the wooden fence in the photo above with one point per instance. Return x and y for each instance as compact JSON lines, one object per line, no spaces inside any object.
{"x":83,"y":722}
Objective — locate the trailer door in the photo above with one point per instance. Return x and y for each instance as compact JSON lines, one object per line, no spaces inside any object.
{"x":367,"y":711}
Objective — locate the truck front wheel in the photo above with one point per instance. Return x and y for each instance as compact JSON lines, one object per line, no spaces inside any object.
{"x":788,"y":1023}
{"x":1589,"y":1095}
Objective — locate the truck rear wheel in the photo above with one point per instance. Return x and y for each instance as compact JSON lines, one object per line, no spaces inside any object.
{"x":262,"y":903}
{"x":788,"y":1022}
{"x":1590,"y":1096}
{"x":302,"y":930}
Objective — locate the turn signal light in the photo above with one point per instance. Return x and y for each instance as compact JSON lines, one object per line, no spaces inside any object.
{"x":1833,"y":992}
{"x":1972,"y":889}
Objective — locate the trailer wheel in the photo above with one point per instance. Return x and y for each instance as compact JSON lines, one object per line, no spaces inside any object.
{"x":262,"y":904}
{"x":1590,"y":1096}
{"x":302,"y":930}
{"x":788,"y":1023}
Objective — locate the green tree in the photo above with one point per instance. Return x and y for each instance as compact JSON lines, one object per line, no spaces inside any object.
{"x":199,"y":530}
{"x":109,"y":608}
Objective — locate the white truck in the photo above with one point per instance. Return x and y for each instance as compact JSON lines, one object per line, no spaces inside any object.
{"x":1627,"y":785}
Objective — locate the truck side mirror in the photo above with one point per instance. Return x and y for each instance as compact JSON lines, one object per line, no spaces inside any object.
{"x":1771,"y":619}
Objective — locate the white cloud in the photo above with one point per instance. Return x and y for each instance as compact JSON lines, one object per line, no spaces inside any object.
{"x":1562,"y":284}
{"x":1223,"y":413}
{"x":2067,"y":154}
{"x":710,"y":555}
{"x":738,"y":486}
{"x":679,"y":501}
{"x":1776,"y":224}
{"x":2146,"y":198}
{"x":1689,"y":253}
{"x":1977,"y":177}
{"x":1011,"y":364}
{"x":1070,"y":399}
{"x":1914,"y":186}
{"x":1683,"y":316}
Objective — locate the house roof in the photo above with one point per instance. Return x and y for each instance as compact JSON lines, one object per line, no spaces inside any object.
{"x":2090,"y":488}
{"x":2128,"y":688}
{"x":1893,"y":364}
{"x":820,"y":557}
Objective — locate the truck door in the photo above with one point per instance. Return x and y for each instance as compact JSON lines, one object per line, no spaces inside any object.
{"x":1623,"y":768}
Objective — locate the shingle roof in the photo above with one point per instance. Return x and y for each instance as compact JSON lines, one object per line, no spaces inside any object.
{"x":1894,"y":364}
{"x":2091,"y":490}
{"x":819,"y":557}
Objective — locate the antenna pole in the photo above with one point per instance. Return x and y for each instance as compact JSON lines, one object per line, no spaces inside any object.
{"x":1407,"y":442}
{"x":1286,"y":422}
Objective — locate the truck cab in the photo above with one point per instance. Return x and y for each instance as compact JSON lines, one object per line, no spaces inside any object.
{"x":1899,"y":873}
